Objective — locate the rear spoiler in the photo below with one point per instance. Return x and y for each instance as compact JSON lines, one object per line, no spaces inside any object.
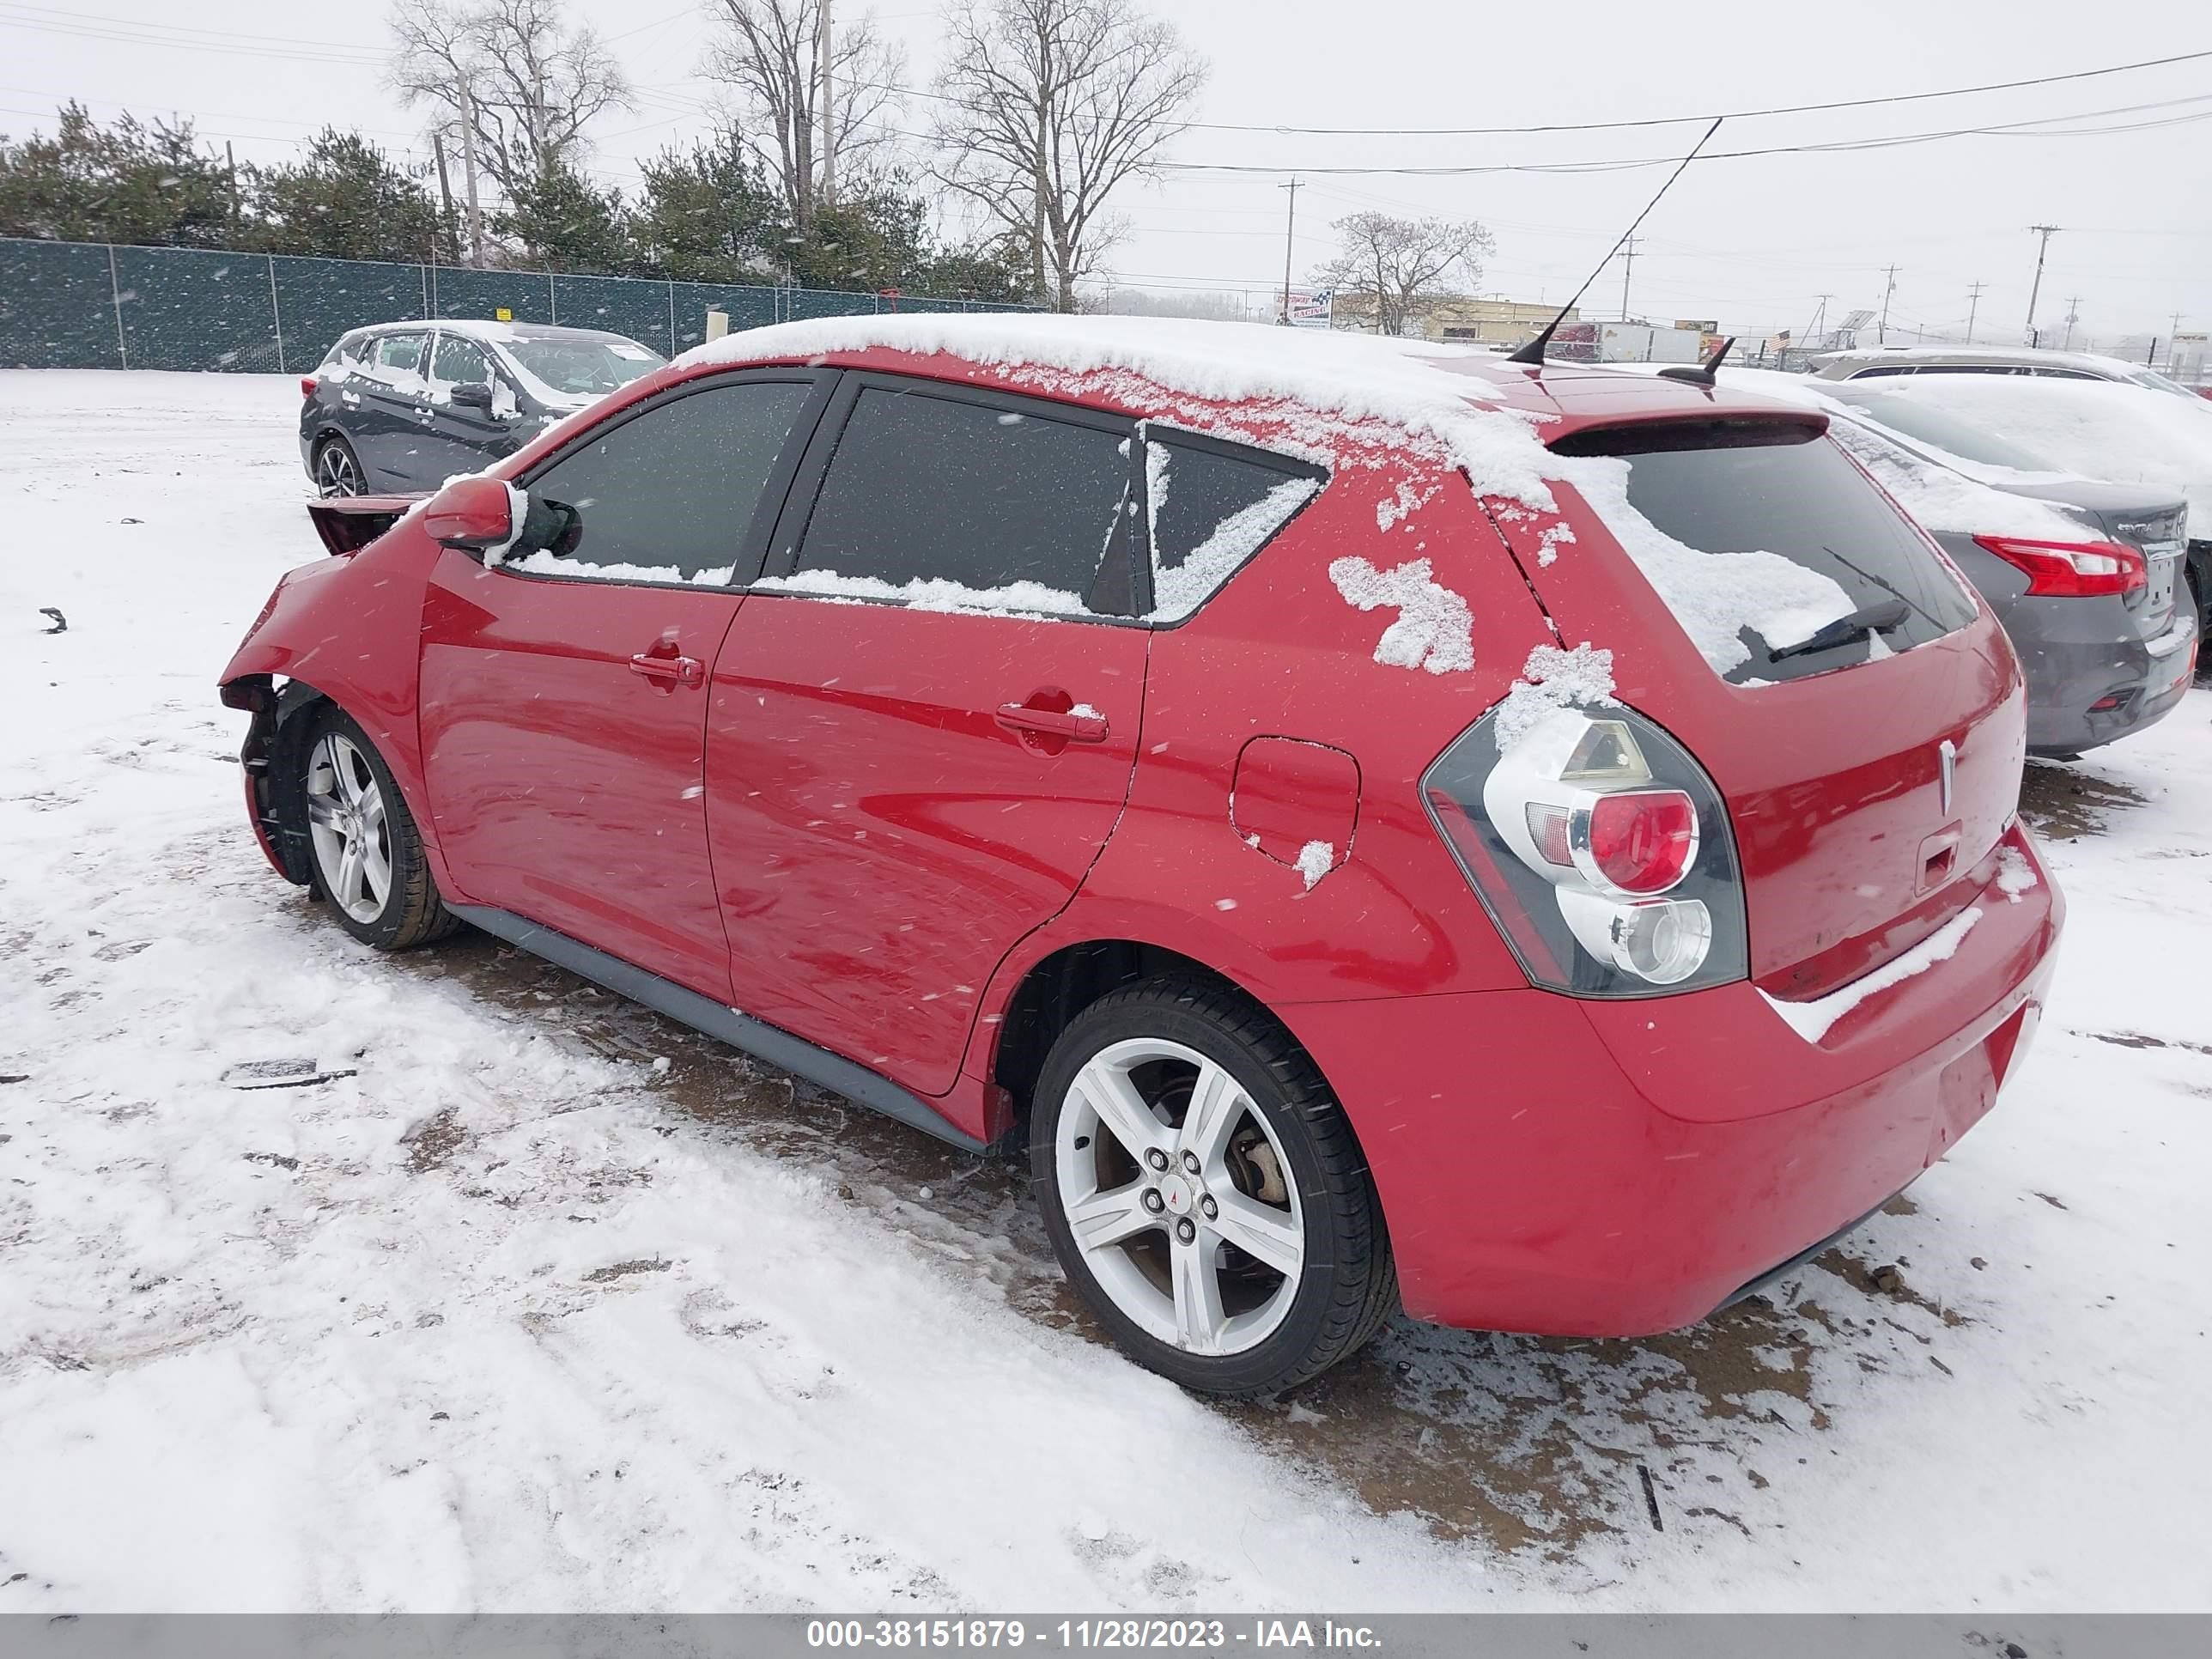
{"x":349,"y":523}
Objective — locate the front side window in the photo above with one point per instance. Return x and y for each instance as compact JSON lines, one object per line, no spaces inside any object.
{"x":957,"y":505}
{"x":1774,"y":551}
{"x":459,"y":362}
{"x":667,"y":495}
{"x":1211,"y":510}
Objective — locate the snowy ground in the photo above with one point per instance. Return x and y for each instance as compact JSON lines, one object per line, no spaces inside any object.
{"x":510,"y":1316}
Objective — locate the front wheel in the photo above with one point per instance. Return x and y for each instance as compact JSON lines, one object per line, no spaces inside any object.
{"x":1205,"y":1192}
{"x":368,"y":860}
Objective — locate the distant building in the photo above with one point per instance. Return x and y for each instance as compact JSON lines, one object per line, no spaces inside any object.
{"x":1501,"y":323}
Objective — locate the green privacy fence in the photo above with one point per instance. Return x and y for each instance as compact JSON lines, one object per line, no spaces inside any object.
{"x":84,"y":305}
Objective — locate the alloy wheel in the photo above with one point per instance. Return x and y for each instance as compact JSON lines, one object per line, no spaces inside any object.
{"x":336,"y":473}
{"x":1175,"y":1188}
{"x":346,"y":821}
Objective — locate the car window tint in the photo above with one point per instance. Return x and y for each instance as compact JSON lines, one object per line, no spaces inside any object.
{"x":1209,"y":513}
{"x":401,"y":354}
{"x":1011,"y":509}
{"x":458,"y":361}
{"x":1757,"y":487}
{"x":667,"y":495}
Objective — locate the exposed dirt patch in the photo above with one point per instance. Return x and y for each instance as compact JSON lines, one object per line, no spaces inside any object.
{"x":430,"y":1143}
{"x":608,"y":1274}
{"x":2064,"y":805}
{"x":2139,"y":1039}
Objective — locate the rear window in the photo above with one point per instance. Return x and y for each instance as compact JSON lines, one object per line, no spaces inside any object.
{"x":1863,"y":582}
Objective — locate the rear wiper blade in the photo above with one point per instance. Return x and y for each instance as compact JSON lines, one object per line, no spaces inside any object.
{"x":1877,"y":618}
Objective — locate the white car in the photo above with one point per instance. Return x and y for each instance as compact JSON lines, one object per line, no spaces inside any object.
{"x":1891,"y":362}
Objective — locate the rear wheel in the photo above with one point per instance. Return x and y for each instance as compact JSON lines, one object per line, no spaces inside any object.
{"x":1205,"y":1192}
{"x":368,"y":855}
{"x":337,"y":469}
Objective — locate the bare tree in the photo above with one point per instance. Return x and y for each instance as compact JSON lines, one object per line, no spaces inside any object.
{"x":1049,"y":106}
{"x":773,"y":55}
{"x":515,"y":82}
{"x":1405,"y":265}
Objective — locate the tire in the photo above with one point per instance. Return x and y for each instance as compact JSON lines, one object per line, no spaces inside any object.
{"x":364,"y":855}
{"x":337,"y":470}
{"x":1161,"y":1261}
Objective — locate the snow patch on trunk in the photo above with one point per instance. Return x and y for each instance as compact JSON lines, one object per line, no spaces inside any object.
{"x":1813,"y":1020}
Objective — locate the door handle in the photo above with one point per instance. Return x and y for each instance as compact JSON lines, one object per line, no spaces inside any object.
{"x":1077,"y":725}
{"x":684,"y":671}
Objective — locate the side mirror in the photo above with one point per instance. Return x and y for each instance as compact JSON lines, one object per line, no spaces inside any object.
{"x":471,"y":514}
{"x":471,"y":394}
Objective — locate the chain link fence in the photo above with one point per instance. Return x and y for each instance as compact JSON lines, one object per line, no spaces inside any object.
{"x":86,"y":305}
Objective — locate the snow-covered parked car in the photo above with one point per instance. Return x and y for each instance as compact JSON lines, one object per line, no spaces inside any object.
{"x":1891,"y":363}
{"x":1372,"y":822}
{"x":399,"y":407}
{"x":2085,"y":574}
{"x":2126,"y":434}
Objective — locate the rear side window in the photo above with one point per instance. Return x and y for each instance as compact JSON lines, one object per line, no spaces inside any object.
{"x":667,"y":495}
{"x":401,"y":352}
{"x":1210,"y":508}
{"x":351,"y":349}
{"x":1771,"y":548}
{"x":944,"y":502}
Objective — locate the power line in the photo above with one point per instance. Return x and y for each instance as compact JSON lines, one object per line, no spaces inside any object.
{"x":2009,"y":129}
{"x":1652,"y":121}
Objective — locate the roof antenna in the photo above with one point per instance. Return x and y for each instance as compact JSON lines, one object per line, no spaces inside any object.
{"x":1704,"y":373}
{"x":1534,"y":351}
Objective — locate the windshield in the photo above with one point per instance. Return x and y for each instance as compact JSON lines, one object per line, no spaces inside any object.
{"x":586,"y":366}
{"x":2157,"y":382}
{"x":1948,"y":432}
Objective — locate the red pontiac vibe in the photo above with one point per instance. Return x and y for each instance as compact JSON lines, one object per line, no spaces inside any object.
{"x":1532,"y":843}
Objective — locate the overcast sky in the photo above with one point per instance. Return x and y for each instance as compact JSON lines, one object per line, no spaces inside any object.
{"x":1751,"y":242}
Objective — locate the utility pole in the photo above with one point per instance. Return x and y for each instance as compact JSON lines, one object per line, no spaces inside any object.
{"x":1290,"y":230}
{"x":468,"y":100}
{"x":1820,"y":316}
{"x":445,"y":184}
{"x":1627,"y":270}
{"x":2041,"y":248}
{"x":829,"y":100}
{"x":1973,"y":305}
{"x":2073,"y":316}
{"x":1881,"y":329}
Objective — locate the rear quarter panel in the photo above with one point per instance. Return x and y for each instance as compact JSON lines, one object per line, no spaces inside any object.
{"x":1279,"y":652}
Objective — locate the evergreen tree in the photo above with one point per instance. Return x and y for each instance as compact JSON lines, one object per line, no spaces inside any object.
{"x":708,"y":216}
{"x":129,"y":183}
{"x":346,"y":201}
{"x":561,"y":223}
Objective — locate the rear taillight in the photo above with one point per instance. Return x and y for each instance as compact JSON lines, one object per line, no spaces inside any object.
{"x":307,"y":386}
{"x":2070,"y":570}
{"x":1601,"y":850}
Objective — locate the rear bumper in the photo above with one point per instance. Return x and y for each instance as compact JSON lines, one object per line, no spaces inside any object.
{"x":2082,"y":693}
{"x":1586,"y":1169}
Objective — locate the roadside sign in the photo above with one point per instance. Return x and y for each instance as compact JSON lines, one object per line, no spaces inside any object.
{"x":1312,"y":308}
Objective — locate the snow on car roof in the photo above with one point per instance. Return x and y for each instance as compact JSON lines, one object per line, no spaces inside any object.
{"x":1356,"y":400}
{"x":495,"y":333}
